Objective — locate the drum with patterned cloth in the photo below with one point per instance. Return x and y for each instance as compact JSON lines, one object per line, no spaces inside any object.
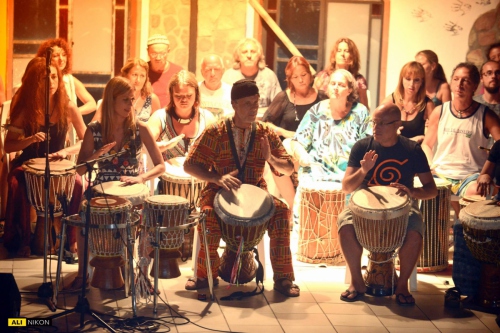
{"x":243,"y":216}
{"x":61,"y":182}
{"x":481,"y":222}
{"x":168,"y":211}
{"x":380,"y":219}
{"x":320,"y":205}
{"x":135,"y":193}
{"x":436,"y":216}
{"x":109,"y":218}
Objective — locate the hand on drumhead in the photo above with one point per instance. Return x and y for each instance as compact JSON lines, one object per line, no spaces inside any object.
{"x":402,"y":190}
{"x":483,"y":184}
{"x":129,"y":180}
{"x":229,"y":181}
{"x":368,"y":160}
{"x":58,"y":155}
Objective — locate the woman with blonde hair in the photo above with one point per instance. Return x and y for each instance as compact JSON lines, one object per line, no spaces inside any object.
{"x":146,"y":102}
{"x":412,"y":101}
{"x":344,"y":55}
{"x":117,"y":131}
{"x":436,"y":85}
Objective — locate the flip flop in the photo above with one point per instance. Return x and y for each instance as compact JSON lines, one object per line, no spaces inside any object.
{"x":194,"y":283}
{"x":452,"y":298}
{"x":357,"y":296}
{"x":286,"y":290}
{"x":407,"y":300}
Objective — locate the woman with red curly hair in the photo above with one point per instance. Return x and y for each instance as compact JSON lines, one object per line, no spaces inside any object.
{"x":61,"y":53}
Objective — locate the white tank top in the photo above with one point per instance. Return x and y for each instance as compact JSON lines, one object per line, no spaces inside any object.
{"x":457,"y":154}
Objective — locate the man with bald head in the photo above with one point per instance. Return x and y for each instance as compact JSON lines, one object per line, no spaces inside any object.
{"x":215,"y":94}
{"x":388,"y":149}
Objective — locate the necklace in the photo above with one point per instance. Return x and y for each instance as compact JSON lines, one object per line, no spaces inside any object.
{"x":135,"y":104}
{"x":464,"y":110}
{"x":408,"y":112}
{"x":182,"y":120}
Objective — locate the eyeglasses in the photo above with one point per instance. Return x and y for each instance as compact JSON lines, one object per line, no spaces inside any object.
{"x":156,"y":55}
{"x":490,"y":73}
{"x":381,"y":124}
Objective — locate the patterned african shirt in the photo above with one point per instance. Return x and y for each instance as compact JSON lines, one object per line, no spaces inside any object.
{"x":212,"y":151}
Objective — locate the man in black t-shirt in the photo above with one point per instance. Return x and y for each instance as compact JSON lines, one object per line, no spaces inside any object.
{"x":386,"y":159}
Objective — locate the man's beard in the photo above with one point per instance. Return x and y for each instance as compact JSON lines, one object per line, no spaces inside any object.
{"x":493,"y":90}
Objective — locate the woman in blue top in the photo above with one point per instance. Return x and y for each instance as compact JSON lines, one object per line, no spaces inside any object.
{"x":436,"y":86}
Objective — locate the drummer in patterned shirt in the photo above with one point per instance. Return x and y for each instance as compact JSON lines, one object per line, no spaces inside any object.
{"x":386,"y":159}
{"x":211,"y":160}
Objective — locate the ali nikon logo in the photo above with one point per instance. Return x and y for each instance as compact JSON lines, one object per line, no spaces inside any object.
{"x":22,"y":322}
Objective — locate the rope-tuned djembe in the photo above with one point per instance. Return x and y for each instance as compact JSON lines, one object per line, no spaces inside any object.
{"x":481,"y":223}
{"x":243,"y":217}
{"x":436,"y":216}
{"x":380,"y":219}
{"x":320,"y":205}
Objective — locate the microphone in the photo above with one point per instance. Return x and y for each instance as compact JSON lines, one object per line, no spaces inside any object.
{"x":48,"y":55}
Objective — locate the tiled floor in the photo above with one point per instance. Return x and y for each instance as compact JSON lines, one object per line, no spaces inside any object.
{"x":318,"y":309}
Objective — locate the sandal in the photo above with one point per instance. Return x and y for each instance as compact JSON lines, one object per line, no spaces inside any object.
{"x":290,"y":289}
{"x":452,"y":298}
{"x":403,"y":300}
{"x":356,"y":296}
{"x":195,"y":284}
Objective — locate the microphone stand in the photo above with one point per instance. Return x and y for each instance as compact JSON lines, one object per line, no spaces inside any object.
{"x":82,"y":306}
{"x":45,"y":291}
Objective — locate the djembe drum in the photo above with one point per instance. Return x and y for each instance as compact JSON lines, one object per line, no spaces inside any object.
{"x":320,"y":205}
{"x":466,"y":200}
{"x":166,"y":211}
{"x":177,"y":182}
{"x":243,"y":217}
{"x":481,"y":222}
{"x":61,"y":182}
{"x":436,"y":216}
{"x":380,"y":219}
{"x":135,"y":193}
{"x":109,"y":218}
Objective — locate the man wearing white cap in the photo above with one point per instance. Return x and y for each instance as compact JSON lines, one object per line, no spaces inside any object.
{"x":160,"y":69}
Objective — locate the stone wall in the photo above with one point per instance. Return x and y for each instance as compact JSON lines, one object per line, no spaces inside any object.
{"x":171,"y":18}
{"x":484,"y":32}
{"x":221,"y":24}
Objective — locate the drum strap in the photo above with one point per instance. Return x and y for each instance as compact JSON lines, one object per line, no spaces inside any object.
{"x":259,"y":278}
{"x":241,"y":168}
